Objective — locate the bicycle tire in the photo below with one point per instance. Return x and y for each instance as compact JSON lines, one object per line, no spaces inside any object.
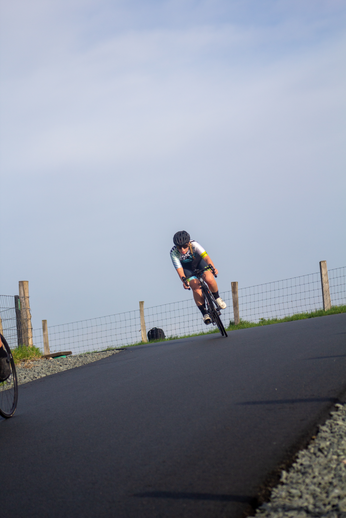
{"x":220,"y":325}
{"x":9,"y":387}
{"x":213,"y":312}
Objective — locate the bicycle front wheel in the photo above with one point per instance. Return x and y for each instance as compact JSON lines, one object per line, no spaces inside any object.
{"x":9,"y":387}
{"x":214,"y":313}
{"x":220,"y":325}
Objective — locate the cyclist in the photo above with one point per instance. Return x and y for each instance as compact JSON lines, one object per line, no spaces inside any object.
{"x":187,"y":255}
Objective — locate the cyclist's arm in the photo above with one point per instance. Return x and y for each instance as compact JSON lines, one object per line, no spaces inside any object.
{"x":180,"y":272}
{"x":203,"y":254}
{"x":210,"y":262}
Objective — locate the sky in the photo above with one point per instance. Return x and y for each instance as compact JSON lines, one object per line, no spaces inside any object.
{"x":122,"y":122}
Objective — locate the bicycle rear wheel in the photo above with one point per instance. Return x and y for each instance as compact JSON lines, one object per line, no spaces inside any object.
{"x":9,"y":387}
{"x":214,"y":313}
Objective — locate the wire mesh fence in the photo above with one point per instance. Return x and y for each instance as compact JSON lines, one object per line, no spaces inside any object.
{"x":177,"y":319}
{"x":93,"y":334}
{"x":337,"y":285}
{"x":271,"y":300}
{"x":288,"y":297}
{"x":15,"y":320}
{"x":8,"y":322}
{"x":276,"y":299}
{"x":280,"y":299}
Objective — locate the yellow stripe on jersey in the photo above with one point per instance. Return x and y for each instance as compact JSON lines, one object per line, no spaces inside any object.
{"x":204,"y":254}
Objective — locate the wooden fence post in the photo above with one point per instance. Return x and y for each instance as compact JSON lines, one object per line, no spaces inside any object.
{"x":46,"y":349}
{"x":235,"y":303}
{"x":327,"y":304}
{"x":18,"y":320}
{"x":25,"y":313}
{"x":143,"y":329}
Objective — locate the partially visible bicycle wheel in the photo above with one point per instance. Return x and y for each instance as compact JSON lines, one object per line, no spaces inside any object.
{"x":219,"y":324}
{"x":9,"y":387}
{"x":214,"y":314}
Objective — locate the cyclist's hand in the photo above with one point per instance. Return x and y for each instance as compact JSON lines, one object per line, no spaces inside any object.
{"x":213,"y":269}
{"x":185,"y":283}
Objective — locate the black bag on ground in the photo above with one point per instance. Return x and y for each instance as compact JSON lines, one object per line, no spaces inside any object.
{"x":156,"y":334}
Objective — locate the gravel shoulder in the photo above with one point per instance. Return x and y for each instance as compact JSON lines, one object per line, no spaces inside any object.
{"x":314,"y":486}
{"x":33,"y":370}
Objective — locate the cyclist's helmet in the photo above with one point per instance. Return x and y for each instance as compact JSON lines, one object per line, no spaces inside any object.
{"x":181,"y":238}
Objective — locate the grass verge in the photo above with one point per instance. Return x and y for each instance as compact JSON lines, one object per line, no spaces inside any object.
{"x":23,"y":353}
{"x":244,"y":324}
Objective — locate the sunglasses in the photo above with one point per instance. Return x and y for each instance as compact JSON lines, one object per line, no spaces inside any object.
{"x":182,"y":246}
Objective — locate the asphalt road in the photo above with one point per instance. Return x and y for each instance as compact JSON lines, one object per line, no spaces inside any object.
{"x":187,"y":428}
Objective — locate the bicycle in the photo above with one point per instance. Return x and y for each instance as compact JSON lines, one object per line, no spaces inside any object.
{"x":9,"y":385}
{"x":212,"y":307}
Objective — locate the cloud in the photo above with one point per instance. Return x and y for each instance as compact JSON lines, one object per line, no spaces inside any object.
{"x":125,"y":120}
{"x":151,"y":94}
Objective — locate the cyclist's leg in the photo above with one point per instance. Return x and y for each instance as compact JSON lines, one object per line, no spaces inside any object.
{"x":199,"y":300}
{"x":194,"y":285}
{"x":196,"y":291}
{"x":211,"y":281}
{"x":207,"y":276}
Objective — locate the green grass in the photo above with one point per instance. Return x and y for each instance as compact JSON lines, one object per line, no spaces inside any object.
{"x":244,"y":324}
{"x":23,"y":353}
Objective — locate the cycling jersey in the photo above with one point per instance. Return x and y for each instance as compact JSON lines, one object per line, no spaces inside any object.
{"x":180,"y":260}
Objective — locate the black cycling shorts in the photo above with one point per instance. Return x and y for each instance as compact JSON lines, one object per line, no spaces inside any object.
{"x":193,"y":265}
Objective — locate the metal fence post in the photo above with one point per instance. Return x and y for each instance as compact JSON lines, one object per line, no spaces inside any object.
{"x":327,"y":304}
{"x":235,"y":303}
{"x":25,"y":313}
{"x":143,"y":329}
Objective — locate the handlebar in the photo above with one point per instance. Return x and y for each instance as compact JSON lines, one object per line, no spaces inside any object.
{"x":198,"y":273}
